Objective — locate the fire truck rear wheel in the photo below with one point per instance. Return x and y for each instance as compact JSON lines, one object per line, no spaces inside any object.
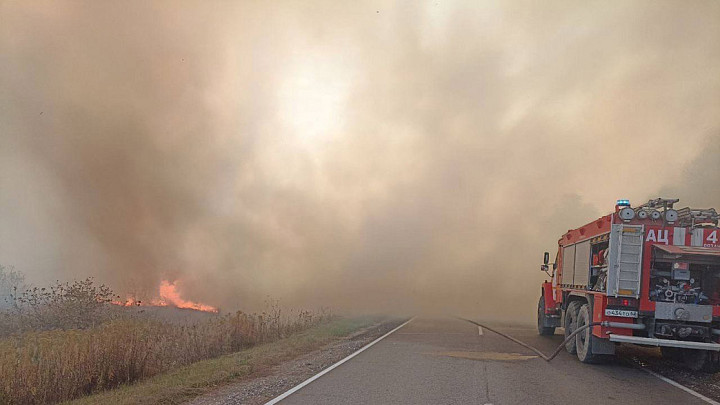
{"x":671,"y":353}
{"x":542,"y":329}
{"x":701,"y":360}
{"x":583,"y":340}
{"x":571,"y":314}
{"x":712,"y":364}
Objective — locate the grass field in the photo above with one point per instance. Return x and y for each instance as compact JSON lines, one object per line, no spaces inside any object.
{"x":72,"y":340}
{"x":41,"y":367}
{"x":186,"y":382}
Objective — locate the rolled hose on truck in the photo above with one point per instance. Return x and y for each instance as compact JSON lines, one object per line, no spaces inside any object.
{"x":559,"y":348}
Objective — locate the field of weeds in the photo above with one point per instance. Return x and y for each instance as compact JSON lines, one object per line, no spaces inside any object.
{"x":68,"y":341}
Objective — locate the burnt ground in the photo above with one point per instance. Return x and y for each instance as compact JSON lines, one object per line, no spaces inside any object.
{"x":288,"y":374}
{"x":707,"y":384}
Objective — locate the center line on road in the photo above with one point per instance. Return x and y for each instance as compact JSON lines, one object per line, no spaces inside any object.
{"x":480,"y":330}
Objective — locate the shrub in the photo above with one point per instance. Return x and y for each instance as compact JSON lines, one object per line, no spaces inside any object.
{"x":76,"y":305}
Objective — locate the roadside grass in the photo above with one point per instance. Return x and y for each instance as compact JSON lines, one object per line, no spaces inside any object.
{"x":51,"y":366}
{"x":189,"y":381}
{"x":68,"y":341}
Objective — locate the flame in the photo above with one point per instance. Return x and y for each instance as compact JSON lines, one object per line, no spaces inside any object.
{"x":129,"y":302}
{"x":169,"y":296}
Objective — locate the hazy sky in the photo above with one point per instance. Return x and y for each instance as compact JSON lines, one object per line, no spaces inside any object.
{"x":405,"y":156}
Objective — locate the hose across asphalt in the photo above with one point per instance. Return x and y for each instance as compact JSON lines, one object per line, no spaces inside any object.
{"x":527,"y":346}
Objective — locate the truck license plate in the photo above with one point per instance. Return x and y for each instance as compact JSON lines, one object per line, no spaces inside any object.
{"x":621,"y":313}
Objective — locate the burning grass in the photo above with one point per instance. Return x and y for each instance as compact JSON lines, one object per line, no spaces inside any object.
{"x":69,"y":341}
{"x":168,"y":296}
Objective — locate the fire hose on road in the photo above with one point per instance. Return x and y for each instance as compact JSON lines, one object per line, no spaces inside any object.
{"x":538,"y":352}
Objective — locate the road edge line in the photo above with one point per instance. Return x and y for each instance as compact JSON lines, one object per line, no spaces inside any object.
{"x":682,"y":387}
{"x":327,"y":370}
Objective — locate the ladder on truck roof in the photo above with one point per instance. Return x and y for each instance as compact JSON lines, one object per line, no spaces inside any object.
{"x":625,"y":260}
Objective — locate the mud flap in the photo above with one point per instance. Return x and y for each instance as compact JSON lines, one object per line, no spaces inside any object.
{"x":551,"y":321}
{"x":602,"y":346}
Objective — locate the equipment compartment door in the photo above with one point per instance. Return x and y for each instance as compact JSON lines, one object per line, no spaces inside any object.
{"x":625,"y":259}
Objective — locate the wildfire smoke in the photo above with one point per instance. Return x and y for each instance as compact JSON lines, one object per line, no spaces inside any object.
{"x":370,"y":156}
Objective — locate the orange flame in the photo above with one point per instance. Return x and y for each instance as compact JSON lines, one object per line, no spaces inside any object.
{"x":169,"y":296}
{"x":129,"y":302}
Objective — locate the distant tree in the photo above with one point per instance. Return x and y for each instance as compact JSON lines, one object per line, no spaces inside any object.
{"x":11,"y":282}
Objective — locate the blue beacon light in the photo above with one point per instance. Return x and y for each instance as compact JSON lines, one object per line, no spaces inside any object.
{"x":623,"y":203}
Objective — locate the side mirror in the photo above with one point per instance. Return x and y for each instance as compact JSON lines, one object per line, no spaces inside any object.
{"x":546,"y":258}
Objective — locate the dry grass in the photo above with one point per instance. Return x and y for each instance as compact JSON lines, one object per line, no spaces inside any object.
{"x":183,"y":383}
{"x":53,"y":366}
{"x":67,"y":340}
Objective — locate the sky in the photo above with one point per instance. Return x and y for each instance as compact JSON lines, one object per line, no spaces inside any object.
{"x":404,"y":157}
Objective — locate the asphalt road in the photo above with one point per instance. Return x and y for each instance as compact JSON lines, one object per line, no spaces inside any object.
{"x":447,"y":361}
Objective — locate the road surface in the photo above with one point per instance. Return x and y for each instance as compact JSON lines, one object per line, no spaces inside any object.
{"x":447,"y":361}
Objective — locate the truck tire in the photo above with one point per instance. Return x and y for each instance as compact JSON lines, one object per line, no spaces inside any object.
{"x":571,"y":314}
{"x":701,"y":360}
{"x":671,"y":353}
{"x":583,"y":340}
{"x":542,"y":329}
{"x":712,"y":364}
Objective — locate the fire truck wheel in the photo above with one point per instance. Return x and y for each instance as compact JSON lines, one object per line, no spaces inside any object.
{"x":571,"y":314}
{"x":542,"y":329}
{"x":671,"y":353}
{"x":712,"y":365}
{"x":583,"y":340}
{"x":701,"y":360}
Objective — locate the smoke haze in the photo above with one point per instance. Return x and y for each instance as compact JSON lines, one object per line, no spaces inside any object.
{"x":369,"y":156}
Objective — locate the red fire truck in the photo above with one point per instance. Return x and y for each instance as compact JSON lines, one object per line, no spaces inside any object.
{"x":647,"y":275}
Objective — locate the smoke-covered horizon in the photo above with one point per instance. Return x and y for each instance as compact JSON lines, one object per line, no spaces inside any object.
{"x":404,"y":157}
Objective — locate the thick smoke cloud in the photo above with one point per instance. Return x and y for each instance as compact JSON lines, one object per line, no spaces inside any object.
{"x":403,"y":157}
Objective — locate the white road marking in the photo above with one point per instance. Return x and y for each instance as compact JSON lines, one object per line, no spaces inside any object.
{"x":682,"y":387}
{"x":480,"y":330}
{"x":327,"y":370}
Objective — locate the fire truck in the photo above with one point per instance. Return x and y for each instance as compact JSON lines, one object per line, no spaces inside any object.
{"x":647,"y":275}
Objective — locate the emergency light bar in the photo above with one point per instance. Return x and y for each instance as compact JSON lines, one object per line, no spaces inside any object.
{"x":623,"y":203}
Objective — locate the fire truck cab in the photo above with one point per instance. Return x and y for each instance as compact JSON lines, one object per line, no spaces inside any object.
{"x":647,"y":275}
